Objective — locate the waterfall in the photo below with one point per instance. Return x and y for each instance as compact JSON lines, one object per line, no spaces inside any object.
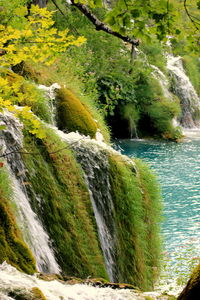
{"x":183,"y":88}
{"x":163,"y":81}
{"x":94,"y":161}
{"x":96,"y":169}
{"x":11,"y":141}
{"x":50,"y":94}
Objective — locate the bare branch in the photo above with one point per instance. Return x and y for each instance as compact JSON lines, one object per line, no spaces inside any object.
{"x":36,"y":153}
{"x":102,"y":26}
{"x":56,"y":5}
{"x":189,"y":15}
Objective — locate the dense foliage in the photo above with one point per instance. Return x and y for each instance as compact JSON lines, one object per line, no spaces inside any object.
{"x":29,"y":38}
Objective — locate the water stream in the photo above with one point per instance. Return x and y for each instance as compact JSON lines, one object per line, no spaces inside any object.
{"x":11,"y":143}
{"x":178,"y":167}
{"x":183,"y":88}
{"x":93,"y":158}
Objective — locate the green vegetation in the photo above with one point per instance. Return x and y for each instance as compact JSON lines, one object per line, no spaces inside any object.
{"x":86,"y":117}
{"x":72,"y":115}
{"x":66,"y":209}
{"x":37,"y":294}
{"x":161,"y":115}
{"x":136,"y":201}
{"x":192,"y":67}
{"x":12,"y":247}
{"x":153,"y":53}
{"x":156,"y":112}
{"x":99,"y":81}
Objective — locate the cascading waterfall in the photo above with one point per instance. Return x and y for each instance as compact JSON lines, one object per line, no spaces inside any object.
{"x":164,"y":84}
{"x":95,"y":166}
{"x":94,"y":161}
{"x":33,"y":232}
{"x":163,"y":81}
{"x":184,"y":89}
{"x":50,"y":94}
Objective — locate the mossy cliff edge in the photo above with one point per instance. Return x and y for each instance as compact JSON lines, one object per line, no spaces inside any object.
{"x":56,"y":176}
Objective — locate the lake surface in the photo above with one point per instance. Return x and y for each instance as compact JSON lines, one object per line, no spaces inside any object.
{"x":178,"y":169}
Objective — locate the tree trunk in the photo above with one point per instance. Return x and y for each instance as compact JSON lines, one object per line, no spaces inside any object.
{"x":40,"y":3}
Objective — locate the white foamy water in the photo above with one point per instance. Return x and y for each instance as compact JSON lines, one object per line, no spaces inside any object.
{"x":13,"y":280}
{"x":191,"y":133}
{"x":163,"y":80}
{"x":93,"y":157}
{"x":11,"y":141}
{"x":33,"y":231}
{"x":87,"y":142}
{"x":183,"y":88}
{"x":50,"y":92}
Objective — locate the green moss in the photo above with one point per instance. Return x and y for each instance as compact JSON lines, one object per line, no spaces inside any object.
{"x":66,"y":209}
{"x":192,"y":67}
{"x":12,"y":247}
{"x":73,"y":115}
{"x":37,"y":294}
{"x":148,"y":298}
{"x":63,"y":73}
{"x":152,"y":205}
{"x":136,"y":219}
{"x":24,"y":294}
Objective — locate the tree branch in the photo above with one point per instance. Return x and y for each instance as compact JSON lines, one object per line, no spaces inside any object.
{"x":56,"y":5}
{"x":189,"y":16}
{"x":37,"y":153}
{"x":102,"y":26}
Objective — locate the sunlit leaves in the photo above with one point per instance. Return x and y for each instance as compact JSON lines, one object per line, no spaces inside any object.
{"x":14,"y":90}
{"x":149,"y":18}
{"x":36,"y":41}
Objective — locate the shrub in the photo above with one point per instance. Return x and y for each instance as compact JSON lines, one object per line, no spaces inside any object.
{"x":114,"y":90}
{"x":161,"y":114}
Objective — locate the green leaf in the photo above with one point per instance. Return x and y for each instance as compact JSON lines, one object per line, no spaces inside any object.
{"x":21,"y":11}
{"x":98,"y":3}
{"x":135,"y":13}
{"x":178,"y":31}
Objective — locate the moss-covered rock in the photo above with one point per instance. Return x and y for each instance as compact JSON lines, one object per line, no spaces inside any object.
{"x":66,"y":208}
{"x":136,"y":200}
{"x":12,"y":247}
{"x":37,"y":294}
{"x":73,"y":115}
{"x":192,"y":289}
{"x":24,"y":294}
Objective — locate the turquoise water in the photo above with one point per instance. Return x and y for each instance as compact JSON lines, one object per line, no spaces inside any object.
{"x":178,"y":169}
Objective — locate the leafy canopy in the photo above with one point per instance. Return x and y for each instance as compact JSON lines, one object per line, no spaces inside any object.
{"x":148,"y":18}
{"x":36,"y":41}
